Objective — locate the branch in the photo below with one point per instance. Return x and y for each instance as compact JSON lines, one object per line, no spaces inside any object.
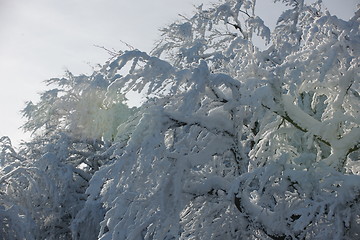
{"x":180,"y":123}
{"x":216,"y":94}
{"x":237,"y":202}
{"x":81,"y":173}
{"x":349,"y":142}
{"x":350,"y":139}
{"x":238,"y":27}
{"x":5,"y":144}
{"x":286,"y":117}
{"x":246,"y":13}
{"x":355,"y":148}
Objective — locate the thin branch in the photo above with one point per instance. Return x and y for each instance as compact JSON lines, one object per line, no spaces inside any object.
{"x":113,"y":53}
{"x":238,"y":27}
{"x":246,"y":13}
{"x":128,"y":45}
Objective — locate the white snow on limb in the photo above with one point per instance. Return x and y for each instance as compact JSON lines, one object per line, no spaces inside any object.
{"x":207,"y":185}
{"x":217,"y":120}
{"x":350,"y":141}
{"x":341,"y":145}
{"x":299,"y":117}
{"x":259,"y":27}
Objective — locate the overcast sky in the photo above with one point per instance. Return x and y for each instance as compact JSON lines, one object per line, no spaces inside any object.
{"x":40,"y":39}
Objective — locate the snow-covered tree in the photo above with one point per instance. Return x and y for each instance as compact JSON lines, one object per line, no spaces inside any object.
{"x":230,"y":141}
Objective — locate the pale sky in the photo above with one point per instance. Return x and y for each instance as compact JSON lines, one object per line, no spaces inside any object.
{"x":40,"y":39}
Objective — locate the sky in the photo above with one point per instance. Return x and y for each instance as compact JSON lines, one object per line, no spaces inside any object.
{"x":41,"y":39}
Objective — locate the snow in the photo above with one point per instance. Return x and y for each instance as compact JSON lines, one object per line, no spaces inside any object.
{"x":230,"y":141}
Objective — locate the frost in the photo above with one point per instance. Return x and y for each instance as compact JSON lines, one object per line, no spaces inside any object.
{"x":228,"y":141}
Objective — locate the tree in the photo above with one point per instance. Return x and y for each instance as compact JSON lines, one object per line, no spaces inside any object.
{"x":230,"y":142}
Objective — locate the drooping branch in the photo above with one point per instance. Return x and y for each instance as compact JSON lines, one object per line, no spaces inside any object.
{"x":6,"y":147}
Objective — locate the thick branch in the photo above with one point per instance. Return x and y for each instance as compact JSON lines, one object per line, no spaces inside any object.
{"x":179,"y":123}
{"x":286,"y":117}
{"x":349,"y":142}
{"x":355,"y":148}
{"x":82,"y":174}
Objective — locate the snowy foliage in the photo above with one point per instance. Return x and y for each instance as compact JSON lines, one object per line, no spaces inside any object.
{"x":229,"y":142}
